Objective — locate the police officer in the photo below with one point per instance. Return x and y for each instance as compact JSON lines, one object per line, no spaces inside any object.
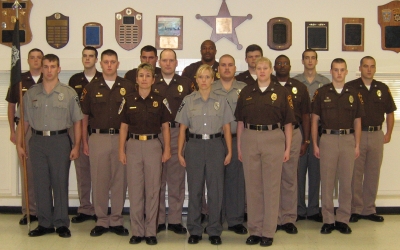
{"x":253,"y":52}
{"x":234,"y":191}
{"x":173,"y":87}
{"x":101,"y":101}
{"x":28,"y":79}
{"x":377,"y":102}
{"x":82,"y":164}
{"x":50,"y":109}
{"x":148,"y":54}
{"x":206,"y":115}
{"x":262,"y":146}
{"x":208,"y":52}
{"x":309,"y":164}
{"x":301,"y":103}
{"x":339,"y":108}
{"x":142,"y":115}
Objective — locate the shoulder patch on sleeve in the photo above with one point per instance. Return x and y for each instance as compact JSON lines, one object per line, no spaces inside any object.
{"x":165,"y":101}
{"x":290,"y":101}
{"x":360,"y":97}
{"x":78,"y":101}
{"x":315,"y":96}
{"x":180,"y":107}
{"x":84,"y":92}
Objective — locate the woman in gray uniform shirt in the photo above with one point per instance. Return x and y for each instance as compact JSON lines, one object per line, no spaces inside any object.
{"x":206,"y":115}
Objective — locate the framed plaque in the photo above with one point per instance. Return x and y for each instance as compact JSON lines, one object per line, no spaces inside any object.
{"x":128,"y":28}
{"x":8,"y":19}
{"x":317,"y":35}
{"x":279,"y":33}
{"x":57,"y":30}
{"x":93,"y":35}
{"x":389,"y":20}
{"x":169,"y":32}
{"x":352,"y":34}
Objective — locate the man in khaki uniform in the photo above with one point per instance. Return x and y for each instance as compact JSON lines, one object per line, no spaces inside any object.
{"x":101,"y":101}
{"x":28,"y":79}
{"x":82,"y":164}
{"x":339,"y":107}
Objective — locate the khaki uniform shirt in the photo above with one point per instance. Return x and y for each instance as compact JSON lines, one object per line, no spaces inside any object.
{"x":231,"y":96}
{"x":57,"y":110}
{"x":318,"y":82}
{"x":204,"y":117}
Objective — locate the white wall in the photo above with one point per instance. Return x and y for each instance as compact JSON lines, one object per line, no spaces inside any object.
{"x":195,"y":31}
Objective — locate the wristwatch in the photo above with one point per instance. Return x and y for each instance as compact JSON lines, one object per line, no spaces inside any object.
{"x":307,"y":141}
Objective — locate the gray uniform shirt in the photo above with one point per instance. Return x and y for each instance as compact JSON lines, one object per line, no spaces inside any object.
{"x":317,"y":83}
{"x":231,"y":96}
{"x":54,"y":111}
{"x":204,"y":117}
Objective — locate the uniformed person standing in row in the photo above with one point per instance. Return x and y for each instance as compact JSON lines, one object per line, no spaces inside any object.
{"x":101,"y":101}
{"x":234,"y":192}
{"x":50,"y":108}
{"x":206,"y":115}
{"x":301,"y":103}
{"x":148,"y":54}
{"x":174,"y":88}
{"x":261,"y":110}
{"x":339,"y":107}
{"x":378,"y":101}
{"x":28,"y":79}
{"x":142,"y":115}
{"x":82,"y":164}
{"x":253,"y":52}
{"x":309,"y":166}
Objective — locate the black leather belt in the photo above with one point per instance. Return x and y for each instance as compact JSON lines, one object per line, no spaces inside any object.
{"x":205,"y":136}
{"x":233,"y":135}
{"x":338,"y":132}
{"x":372,"y":128}
{"x":143,"y":137}
{"x":49,"y":133}
{"x":294,"y":127}
{"x":261,"y":127}
{"x":111,"y":131}
{"x":174,"y":125}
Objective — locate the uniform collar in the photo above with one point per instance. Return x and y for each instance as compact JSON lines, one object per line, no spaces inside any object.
{"x":197,"y":95}
{"x":217,"y":85}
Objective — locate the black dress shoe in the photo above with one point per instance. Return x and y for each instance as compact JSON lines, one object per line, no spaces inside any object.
{"x":299,"y":217}
{"x":239,"y":229}
{"x":83,"y":217}
{"x":98,"y":230}
{"x":152,"y":240}
{"x":194,"y":239}
{"x":135,"y":240}
{"x":39,"y":231}
{"x":316,"y":217}
{"x":373,"y":217}
{"x":253,"y":239}
{"x":266,"y":242}
{"x":63,"y":232}
{"x":203,"y":218}
{"x":354,"y":217}
{"x":278,"y":227}
{"x":215,"y":240}
{"x":161,"y":227}
{"x":24,"y":219}
{"x":327,"y":228}
{"x":342,"y":227}
{"x":119,"y":230}
{"x":177,"y":228}
{"x":289,"y":228}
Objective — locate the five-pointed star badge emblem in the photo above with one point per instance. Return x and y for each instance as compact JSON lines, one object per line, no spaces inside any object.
{"x":224,"y":24}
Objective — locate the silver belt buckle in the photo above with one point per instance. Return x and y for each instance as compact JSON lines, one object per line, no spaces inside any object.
{"x":342,"y":132}
{"x":371,"y":128}
{"x":259,"y":127}
{"x":111,"y":131}
{"x":46,"y":133}
{"x":205,"y":136}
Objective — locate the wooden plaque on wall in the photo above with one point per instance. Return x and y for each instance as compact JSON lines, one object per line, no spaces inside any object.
{"x":128,"y":28}
{"x":279,"y":33}
{"x":317,"y":35}
{"x":93,"y":35}
{"x":57,"y":30}
{"x":169,"y":32}
{"x":352,"y":34}
{"x":389,"y":20}
{"x":8,"y":19}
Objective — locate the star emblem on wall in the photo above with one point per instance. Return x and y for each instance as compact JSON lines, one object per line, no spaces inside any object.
{"x":224,"y":25}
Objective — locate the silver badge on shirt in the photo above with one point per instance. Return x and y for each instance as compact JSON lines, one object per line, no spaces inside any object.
{"x":216,"y":105}
{"x":61,"y":97}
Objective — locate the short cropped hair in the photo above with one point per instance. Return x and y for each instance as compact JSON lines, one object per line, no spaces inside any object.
{"x":149,"y":48}
{"x":265,"y":60}
{"x":309,"y":50}
{"x":91,"y":48}
{"x":145,"y":66}
{"x":51,"y":58}
{"x":109,"y":52}
{"x":338,"y":60}
{"x":204,"y":67}
{"x":253,"y":47}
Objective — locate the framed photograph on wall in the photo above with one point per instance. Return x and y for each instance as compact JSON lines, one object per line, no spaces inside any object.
{"x":169,"y":32}
{"x":353,"y":34}
{"x":317,"y":35}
